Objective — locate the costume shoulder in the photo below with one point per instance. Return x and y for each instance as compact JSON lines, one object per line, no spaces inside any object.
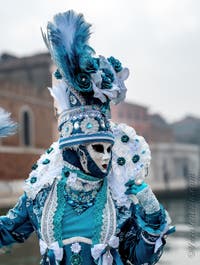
{"x":130,"y":160}
{"x":45,"y":170}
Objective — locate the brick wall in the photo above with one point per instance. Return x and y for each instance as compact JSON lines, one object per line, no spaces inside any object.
{"x":16,"y":165}
{"x":138,"y":117}
{"x":23,"y":87}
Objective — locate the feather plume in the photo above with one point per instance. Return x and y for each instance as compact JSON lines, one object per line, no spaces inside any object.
{"x":67,"y":40}
{"x":60,"y":93}
{"x":7,"y":126}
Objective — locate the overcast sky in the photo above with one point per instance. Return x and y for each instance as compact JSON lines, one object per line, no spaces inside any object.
{"x":158,"y":40}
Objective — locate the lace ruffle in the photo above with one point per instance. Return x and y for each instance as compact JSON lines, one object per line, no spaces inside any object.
{"x":58,"y":217}
{"x":47,"y":168}
{"x":136,"y":159}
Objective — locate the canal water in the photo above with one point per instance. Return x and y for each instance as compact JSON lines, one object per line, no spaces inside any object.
{"x":182,"y":248}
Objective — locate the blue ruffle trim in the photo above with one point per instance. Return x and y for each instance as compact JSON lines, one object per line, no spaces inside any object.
{"x":154,"y":223}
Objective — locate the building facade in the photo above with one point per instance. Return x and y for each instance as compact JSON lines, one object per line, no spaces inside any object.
{"x":175,"y":166}
{"x":24,"y":93}
{"x":153,"y":127}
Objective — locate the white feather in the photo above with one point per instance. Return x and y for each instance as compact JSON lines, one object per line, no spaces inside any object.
{"x":60,"y":93}
{"x":7,"y":126}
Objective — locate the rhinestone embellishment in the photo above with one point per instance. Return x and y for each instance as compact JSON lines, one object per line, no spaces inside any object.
{"x":67,"y":129}
{"x":89,"y":125}
{"x":73,"y":100}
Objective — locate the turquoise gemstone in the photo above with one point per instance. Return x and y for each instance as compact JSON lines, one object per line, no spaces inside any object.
{"x":89,"y":125}
{"x":135,"y":158}
{"x":66,"y":173}
{"x":46,"y":161}
{"x":121,"y":161}
{"x":49,"y":150}
{"x":124,"y":138}
{"x":34,"y":166}
{"x":33,"y":180}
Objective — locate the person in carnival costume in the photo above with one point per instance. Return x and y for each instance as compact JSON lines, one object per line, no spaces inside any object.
{"x":86,"y":197}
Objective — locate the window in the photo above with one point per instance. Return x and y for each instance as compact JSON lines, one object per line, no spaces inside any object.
{"x":26,"y":126}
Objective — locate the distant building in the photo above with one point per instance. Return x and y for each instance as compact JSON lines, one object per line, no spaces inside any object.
{"x":174,"y":166}
{"x":153,"y":127}
{"x":187,"y":130}
{"x":24,"y":93}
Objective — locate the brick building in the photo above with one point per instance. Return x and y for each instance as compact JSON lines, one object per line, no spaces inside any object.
{"x":152,"y":127}
{"x":24,"y":93}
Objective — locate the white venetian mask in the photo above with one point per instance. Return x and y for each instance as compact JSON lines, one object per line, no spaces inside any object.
{"x":100,"y":154}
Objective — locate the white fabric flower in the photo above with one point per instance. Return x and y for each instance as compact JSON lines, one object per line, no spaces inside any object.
{"x":117,"y":92}
{"x":76,"y":247}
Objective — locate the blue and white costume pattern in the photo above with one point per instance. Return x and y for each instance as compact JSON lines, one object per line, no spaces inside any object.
{"x":108,"y":228}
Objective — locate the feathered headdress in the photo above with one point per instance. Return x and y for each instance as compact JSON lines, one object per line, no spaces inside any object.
{"x":7,"y":126}
{"x":85,"y":84}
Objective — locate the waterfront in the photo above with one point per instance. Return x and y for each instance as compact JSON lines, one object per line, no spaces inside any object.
{"x":182,"y":247}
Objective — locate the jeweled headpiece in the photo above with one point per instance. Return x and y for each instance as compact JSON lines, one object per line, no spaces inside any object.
{"x":85,"y":84}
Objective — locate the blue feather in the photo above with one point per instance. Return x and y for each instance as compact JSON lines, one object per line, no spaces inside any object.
{"x":67,"y":40}
{"x":7,"y":126}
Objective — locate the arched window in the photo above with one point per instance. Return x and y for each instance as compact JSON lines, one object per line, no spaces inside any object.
{"x":26,"y":126}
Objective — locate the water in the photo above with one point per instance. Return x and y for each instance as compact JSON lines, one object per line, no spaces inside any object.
{"x":183,"y":247}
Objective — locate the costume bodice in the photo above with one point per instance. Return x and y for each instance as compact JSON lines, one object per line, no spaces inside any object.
{"x":77,"y":225}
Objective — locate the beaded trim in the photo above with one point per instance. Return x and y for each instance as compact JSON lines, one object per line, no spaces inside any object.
{"x":109,"y":220}
{"x":59,"y":212}
{"x":78,"y":112}
{"x":99,"y":210}
{"x":76,"y":94}
{"x":47,"y":225}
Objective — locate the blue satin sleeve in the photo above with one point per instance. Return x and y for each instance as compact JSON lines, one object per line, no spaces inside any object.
{"x":15,"y":226}
{"x":136,"y":244}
